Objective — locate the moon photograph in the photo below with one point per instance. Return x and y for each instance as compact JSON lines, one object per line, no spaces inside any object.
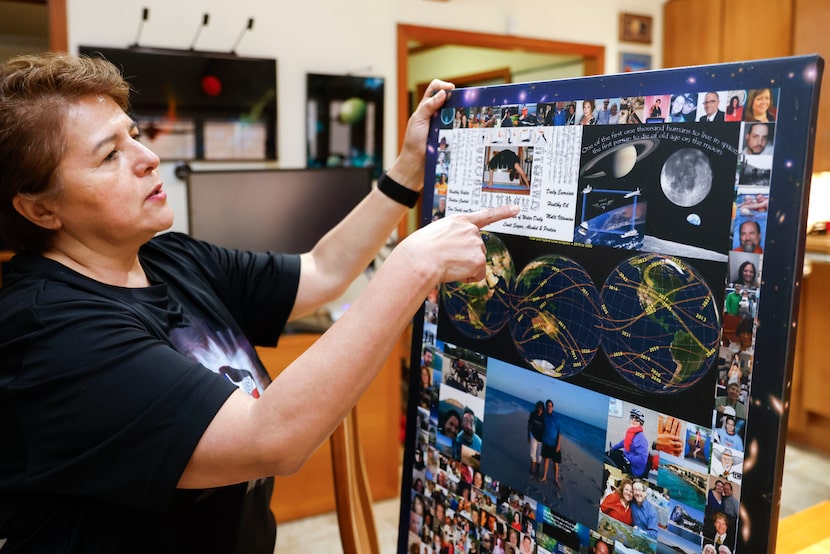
{"x":686,"y":177}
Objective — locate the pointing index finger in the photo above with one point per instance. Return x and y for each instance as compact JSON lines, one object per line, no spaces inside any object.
{"x":483,"y":218}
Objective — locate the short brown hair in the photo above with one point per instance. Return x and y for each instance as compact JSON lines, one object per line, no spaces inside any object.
{"x":35,"y":91}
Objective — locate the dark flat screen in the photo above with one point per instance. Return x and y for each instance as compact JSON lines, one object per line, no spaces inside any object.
{"x":283,"y":210}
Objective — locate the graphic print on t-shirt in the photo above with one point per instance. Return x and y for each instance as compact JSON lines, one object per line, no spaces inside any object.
{"x":222,"y":353}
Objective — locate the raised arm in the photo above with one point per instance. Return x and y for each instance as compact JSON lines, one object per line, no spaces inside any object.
{"x":339,"y":257}
{"x":275,"y":434}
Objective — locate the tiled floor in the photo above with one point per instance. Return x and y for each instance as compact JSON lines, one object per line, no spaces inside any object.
{"x":806,"y":482}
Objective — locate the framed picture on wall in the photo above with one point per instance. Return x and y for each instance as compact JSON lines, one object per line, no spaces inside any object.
{"x":619,"y":344}
{"x":634,"y":62}
{"x":635,"y":28}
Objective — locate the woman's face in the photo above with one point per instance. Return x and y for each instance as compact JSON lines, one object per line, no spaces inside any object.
{"x":748,"y":274}
{"x":678,"y":103}
{"x":628,"y":492}
{"x":719,"y":487}
{"x":586,"y":108}
{"x":760,"y":104}
{"x":111,"y":190}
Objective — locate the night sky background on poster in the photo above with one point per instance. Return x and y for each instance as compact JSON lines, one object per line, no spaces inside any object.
{"x":666,"y":220}
{"x":796,"y":78}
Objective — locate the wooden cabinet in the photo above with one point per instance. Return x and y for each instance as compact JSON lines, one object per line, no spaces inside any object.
{"x":690,"y":37}
{"x":713,"y":31}
{"x":812,"y":36}
{"x":809,"y":418}
{"x":310,"y":491}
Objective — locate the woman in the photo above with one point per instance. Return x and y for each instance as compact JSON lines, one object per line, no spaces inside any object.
{"x":478,"y":480}
{"x":759,"y":106}
{"x":682,"y":107}
{"x":748,"y":275}
{"x":535,"y":433}
{"x":136,"y":426}
{"x":617,"y":504}
{"x":457,"y":120}
{"x":696,"y":448}
{"x":510,"y":161}
{"x":571,"y":114}
{"x":426,"y":378}
{"x":734,"y":374}
{"x":734,"y":110}
{"x":425,"y":396}
{"x":655,"y":111}
{"x":714,"y":498}
{"x":614,"y":116}
{"x":517,"y":521}
{"x":587,"y":113}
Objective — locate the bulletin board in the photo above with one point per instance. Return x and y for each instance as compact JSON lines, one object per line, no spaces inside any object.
{"x":618,"y":382}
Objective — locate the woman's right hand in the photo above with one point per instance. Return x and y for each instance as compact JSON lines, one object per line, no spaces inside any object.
{"x":453,"y":246}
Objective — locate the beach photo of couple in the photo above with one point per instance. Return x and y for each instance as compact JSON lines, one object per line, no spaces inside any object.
{"x":563,"y":474}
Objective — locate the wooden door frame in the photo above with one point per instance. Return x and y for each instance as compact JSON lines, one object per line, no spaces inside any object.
{"x":58,"y":36}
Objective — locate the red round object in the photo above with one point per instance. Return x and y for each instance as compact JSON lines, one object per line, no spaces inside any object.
{"x":211,"y":85}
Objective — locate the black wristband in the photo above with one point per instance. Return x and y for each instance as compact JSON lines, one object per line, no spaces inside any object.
{"x":397,"y":191}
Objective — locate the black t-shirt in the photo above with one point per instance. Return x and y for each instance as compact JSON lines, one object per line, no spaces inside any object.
{"x":105,"y":392}
{"x":536,"y":425}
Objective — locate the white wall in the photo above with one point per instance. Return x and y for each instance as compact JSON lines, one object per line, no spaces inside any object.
{"x":333,"y":36}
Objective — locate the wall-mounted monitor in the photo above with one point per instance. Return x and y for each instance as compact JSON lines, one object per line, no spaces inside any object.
{"x":620,"y":380}
{"x":193,"y":105}
{"x":281,"y":210}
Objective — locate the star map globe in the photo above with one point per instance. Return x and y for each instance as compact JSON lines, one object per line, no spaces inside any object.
{"x":480,"y":310}
{"x":660,"y":323}
{"x":555,"y":325}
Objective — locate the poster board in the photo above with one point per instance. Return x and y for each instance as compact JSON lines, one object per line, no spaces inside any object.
{"x":654,"y":269}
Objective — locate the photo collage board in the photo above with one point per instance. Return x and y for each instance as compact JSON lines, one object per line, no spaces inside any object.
{"x":617,"y":381}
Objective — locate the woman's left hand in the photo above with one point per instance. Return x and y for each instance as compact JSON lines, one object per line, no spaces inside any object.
{"x":408,"y":169}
